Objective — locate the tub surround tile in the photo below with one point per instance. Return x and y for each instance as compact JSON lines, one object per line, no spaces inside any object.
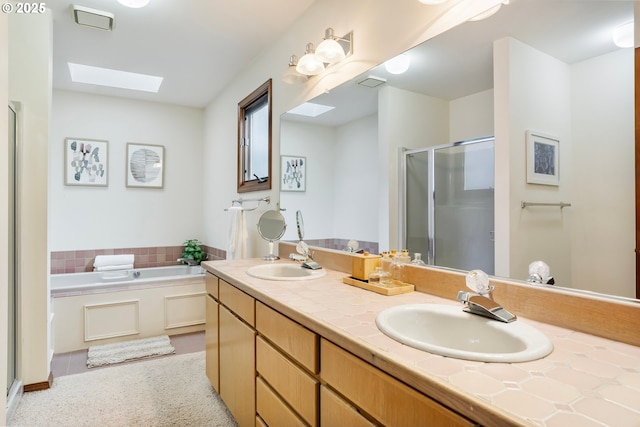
{"x":81,"y":261}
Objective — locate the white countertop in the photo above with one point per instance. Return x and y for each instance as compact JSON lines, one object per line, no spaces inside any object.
{"x":585,"y":381}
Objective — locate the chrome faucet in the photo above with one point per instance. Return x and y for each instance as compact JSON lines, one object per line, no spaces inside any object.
{"x":485,"y":306}
{"x":190,"y":262}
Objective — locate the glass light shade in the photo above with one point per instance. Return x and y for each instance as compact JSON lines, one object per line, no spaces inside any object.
{"x":489,"y":12}
{"x":399,"y":64}
{"x":134,"y":3}
{"x":309,"y":64}
{"x":623,"y":35}
{"x":291,"y":76}
{"x":329,"y":50}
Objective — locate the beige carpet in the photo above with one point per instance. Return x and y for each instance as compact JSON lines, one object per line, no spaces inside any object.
{"x":118,"y":352}
{"x":168,"y":391}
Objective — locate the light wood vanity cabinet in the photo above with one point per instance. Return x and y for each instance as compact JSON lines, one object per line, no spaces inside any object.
{"x":287,"y":367}
{"x":274,"y":372}
{"x":230,"y":341}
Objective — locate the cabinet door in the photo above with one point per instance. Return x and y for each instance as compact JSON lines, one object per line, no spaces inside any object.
{"x":237,"y":368}
{"x":211,"y":343}
{"x":386,"y":399}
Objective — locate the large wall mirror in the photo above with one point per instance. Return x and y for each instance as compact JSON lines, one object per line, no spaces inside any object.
{"x":502,"y":76}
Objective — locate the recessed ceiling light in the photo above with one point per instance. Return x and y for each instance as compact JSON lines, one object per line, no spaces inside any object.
{"x":310,"y":109}
{"x":114,"y":78}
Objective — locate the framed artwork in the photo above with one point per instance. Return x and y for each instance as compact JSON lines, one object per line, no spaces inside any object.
{"x":293,"y":170}
{"x":543,"y":153}
{"x":145,"y":165}
{"x":85,"y":162}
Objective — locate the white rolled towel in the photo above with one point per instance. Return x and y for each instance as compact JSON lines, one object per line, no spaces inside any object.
{"x":115,"y":267}
{"x":110,"y":260}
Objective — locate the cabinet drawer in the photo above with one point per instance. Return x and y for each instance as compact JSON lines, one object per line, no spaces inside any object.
{"x":388,"y":400}
{"x":211,"y":284}
{"x":272,"y":410}
{"x":296,"y":387}
{"x":336,"y":412}
{"x":296,"y":340}
{"x":240,"y":303}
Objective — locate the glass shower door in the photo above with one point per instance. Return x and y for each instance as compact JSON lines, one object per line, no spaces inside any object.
{"x":463,"y":206}
{"x":448,"y":204}
{"x":12,"y":280}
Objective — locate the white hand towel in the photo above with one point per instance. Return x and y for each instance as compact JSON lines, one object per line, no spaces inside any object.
{"x":107,"y":260}
{"x":115,"y":267}
{"x":237,"y":233}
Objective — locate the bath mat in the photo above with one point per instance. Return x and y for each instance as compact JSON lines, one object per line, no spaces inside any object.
{"x":107,"y":354}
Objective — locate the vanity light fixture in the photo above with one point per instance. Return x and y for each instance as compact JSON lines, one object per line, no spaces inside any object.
{"x":623,"y":35}
{"x":292,"y":76}
{"x":330,"y":51}
{"x":309,"y":64}
{"x":398,"y":64}
{"x":135,"y":4}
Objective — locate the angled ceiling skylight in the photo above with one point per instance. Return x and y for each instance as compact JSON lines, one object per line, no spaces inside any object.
{"x":114,"y":78}
{"x":310,"y":109}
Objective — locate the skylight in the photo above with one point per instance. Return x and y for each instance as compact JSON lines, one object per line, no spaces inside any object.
{"x":114,"y":78}
{"x":310,"y":109}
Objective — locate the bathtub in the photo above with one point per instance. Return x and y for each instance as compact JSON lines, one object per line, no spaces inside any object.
{"x":109,"y":281}
{"x":100,"y":307}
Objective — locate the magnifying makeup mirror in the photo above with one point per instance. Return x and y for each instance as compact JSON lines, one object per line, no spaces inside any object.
{"x":271,"y":227}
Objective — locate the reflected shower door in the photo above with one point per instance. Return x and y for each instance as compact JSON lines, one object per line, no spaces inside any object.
{"x":417,"y":206}
{"x":448,"y":204}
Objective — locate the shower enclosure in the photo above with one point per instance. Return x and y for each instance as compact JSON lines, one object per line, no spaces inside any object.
{"x":12,"y":339}
{"x":447,"y":210}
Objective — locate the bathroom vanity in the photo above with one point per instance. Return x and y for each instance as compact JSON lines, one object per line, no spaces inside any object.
{"x":311,"y":354}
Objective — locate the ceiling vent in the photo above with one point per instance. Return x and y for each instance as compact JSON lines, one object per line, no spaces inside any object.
{"x":372,"y":81}
{"x":93,"y":18}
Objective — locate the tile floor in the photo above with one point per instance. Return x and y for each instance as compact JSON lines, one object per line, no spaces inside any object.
{"x":75,"y":362}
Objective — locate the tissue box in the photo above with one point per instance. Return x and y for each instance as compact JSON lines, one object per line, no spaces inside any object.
{"x":362,"y":265}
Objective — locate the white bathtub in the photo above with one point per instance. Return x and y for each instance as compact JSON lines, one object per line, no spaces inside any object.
{"x":96,"y":308}
{"x":107,"y":281}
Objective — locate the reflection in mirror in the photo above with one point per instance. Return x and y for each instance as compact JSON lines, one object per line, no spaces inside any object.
{"x":502,"y":76}
{"x":300,"y":225}
{"x":271,"y":227}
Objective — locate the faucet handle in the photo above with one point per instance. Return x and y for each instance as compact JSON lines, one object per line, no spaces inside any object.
{"x":483,"y":306}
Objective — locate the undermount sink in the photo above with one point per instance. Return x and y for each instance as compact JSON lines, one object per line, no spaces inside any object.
{"x":284,"y":272}
{"x":449,"y":331}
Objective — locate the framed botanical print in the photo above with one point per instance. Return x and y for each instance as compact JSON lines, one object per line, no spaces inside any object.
{"x":86,"y":162}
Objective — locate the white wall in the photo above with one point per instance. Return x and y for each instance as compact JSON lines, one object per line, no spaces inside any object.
{"x":342,"y":179}
{"x":471,"y":116}
{"x":316,"y":143}
{"x":117,"y":216}
{"x":538,"y":93}
{"x":603,"y":197}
